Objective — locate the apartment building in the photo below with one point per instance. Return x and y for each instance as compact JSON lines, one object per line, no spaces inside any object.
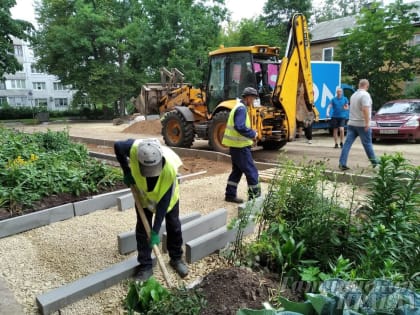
{"x":30,"y":86}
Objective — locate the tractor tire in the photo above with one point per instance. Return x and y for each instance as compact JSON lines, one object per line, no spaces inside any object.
{"x":216,"y":131}
{"x":273,"y":145}
{"x":176,"y":131}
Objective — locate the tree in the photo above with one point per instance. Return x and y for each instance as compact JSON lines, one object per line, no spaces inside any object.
{"x":107,"y":49}
{"x":333,"y":9}
{"x":277,"y":15}
{"x":10,"y":27}
{"x":380,"y":49}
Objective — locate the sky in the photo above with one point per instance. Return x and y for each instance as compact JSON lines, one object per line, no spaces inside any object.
{"x":239,"y":9}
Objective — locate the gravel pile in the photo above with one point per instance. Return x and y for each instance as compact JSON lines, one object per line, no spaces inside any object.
{"x":42,"y":259}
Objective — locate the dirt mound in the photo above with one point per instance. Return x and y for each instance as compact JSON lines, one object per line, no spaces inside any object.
{"x":148,"y":127}
{"x":227,"y":290}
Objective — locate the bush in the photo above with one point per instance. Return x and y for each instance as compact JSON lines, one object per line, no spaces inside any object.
{"x":33,"y":166}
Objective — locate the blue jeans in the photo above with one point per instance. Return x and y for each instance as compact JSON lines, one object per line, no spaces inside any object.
{"x":365,"y":138}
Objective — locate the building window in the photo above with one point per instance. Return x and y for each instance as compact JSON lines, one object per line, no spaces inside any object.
{"x":18,"y":50}
{"x":3,"y":100}
{"x":2,"y":85}
{"x":17,"y":84}
{"x":38,"y":85}
{"x":327,"y":54}
{"x":60,"y":102}
{"x":58,"y":86}
{"x":34,"y":69}
{"x":18,"y":101}
{"x":41,"y":102}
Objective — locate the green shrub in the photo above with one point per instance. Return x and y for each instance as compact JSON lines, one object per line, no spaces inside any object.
{"x":388,"y":234}
{"x":151,"y":298}
{"x":299,"y":211}
{"x":33,"y":166}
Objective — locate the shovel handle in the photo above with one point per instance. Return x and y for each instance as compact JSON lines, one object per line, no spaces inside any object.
{"x":146,"y":226}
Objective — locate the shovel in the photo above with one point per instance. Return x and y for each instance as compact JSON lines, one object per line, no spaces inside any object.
{"x":155,"y":248}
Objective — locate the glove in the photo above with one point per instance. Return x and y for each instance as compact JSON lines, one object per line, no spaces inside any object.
{"x":154,"y":239}
{"x":128,"y":179}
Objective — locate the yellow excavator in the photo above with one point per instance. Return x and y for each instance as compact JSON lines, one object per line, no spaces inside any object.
{"x":283,"y":85}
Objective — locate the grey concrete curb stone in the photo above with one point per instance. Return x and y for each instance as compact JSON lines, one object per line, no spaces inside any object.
{"x":57,"y":298}
{"x":199,"y":226}
{"x":125,"y":202}
{"x":209,"y":243}
{"x":8,"y":303}
{"x":127,"y":240}
{"x":34,"y":220}
{"x":99,"y":202}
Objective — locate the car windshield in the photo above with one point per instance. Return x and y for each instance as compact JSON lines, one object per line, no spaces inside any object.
{"x":400,"y":108}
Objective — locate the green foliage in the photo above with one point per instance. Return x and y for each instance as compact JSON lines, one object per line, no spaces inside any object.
{"x":413,"y":91}
{"x":379,"y":49}
{"x":277,"y":249}
{"x":388,"y":233}
{"x":151,"y":298}
{"x":298,"y":199}
{"x":10,"y":27}
{"x":115,"y":46}
{"x":33,"y":166}
{"x":333,"y":9}
{"x":141,"y":295}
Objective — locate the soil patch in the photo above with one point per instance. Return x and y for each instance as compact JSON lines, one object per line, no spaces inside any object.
{"x":148,"y":127}
{"x":228,"y":290}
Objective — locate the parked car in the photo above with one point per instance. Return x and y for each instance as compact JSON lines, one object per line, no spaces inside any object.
{"x":399,"y":119}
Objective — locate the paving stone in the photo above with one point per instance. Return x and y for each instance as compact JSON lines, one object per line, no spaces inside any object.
{"x":199,"y":226}
{"x":127,"y":240}
{"x":209,"y":243}
{"x":36,"y":219}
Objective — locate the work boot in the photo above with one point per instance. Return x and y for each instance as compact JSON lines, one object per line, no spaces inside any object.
{"x":144,"y":275}
{"x":179,"y":266}
{"x":233,"y":199}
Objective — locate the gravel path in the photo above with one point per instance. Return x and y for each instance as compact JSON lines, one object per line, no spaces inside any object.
{"x":42,"y":259}
{"x":37,"y":261}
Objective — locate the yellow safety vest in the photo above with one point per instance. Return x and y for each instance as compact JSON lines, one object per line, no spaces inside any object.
{"x":232,"y":138}
{"x":149,"y":199}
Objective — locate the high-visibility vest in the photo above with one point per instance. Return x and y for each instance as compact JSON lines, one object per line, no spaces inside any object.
{"x":232,"y":138}
{"x":149,"y":199}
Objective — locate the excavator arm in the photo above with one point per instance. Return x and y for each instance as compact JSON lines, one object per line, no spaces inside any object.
{"x":295,"y":74}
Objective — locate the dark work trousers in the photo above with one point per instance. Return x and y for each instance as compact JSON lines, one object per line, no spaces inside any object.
{"x":243,"y":163}
{"x":308,"y":132}
{"x":174,"y":240}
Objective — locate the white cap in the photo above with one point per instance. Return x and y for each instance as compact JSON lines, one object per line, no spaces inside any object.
{"x":149,"y":154}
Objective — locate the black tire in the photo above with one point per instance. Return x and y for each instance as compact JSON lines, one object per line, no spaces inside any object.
{"x":176,"y":131}
{"x":216,"y":131}
{"x":273,"y":145}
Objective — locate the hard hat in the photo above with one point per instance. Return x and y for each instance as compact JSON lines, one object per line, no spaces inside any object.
{"x":149,"y":154}
{"x":249,"y":91}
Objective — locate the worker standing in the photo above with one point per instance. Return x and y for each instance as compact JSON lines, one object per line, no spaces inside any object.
{"x":239,"y":137}
{"x":152,"y":168}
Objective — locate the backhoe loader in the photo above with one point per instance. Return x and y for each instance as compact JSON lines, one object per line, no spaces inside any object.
{"x":187,"y":112}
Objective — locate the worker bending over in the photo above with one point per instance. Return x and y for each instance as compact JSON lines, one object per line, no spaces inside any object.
{"x":152,"y":168}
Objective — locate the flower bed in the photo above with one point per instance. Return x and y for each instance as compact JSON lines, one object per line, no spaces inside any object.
{"x":37,"y":166}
